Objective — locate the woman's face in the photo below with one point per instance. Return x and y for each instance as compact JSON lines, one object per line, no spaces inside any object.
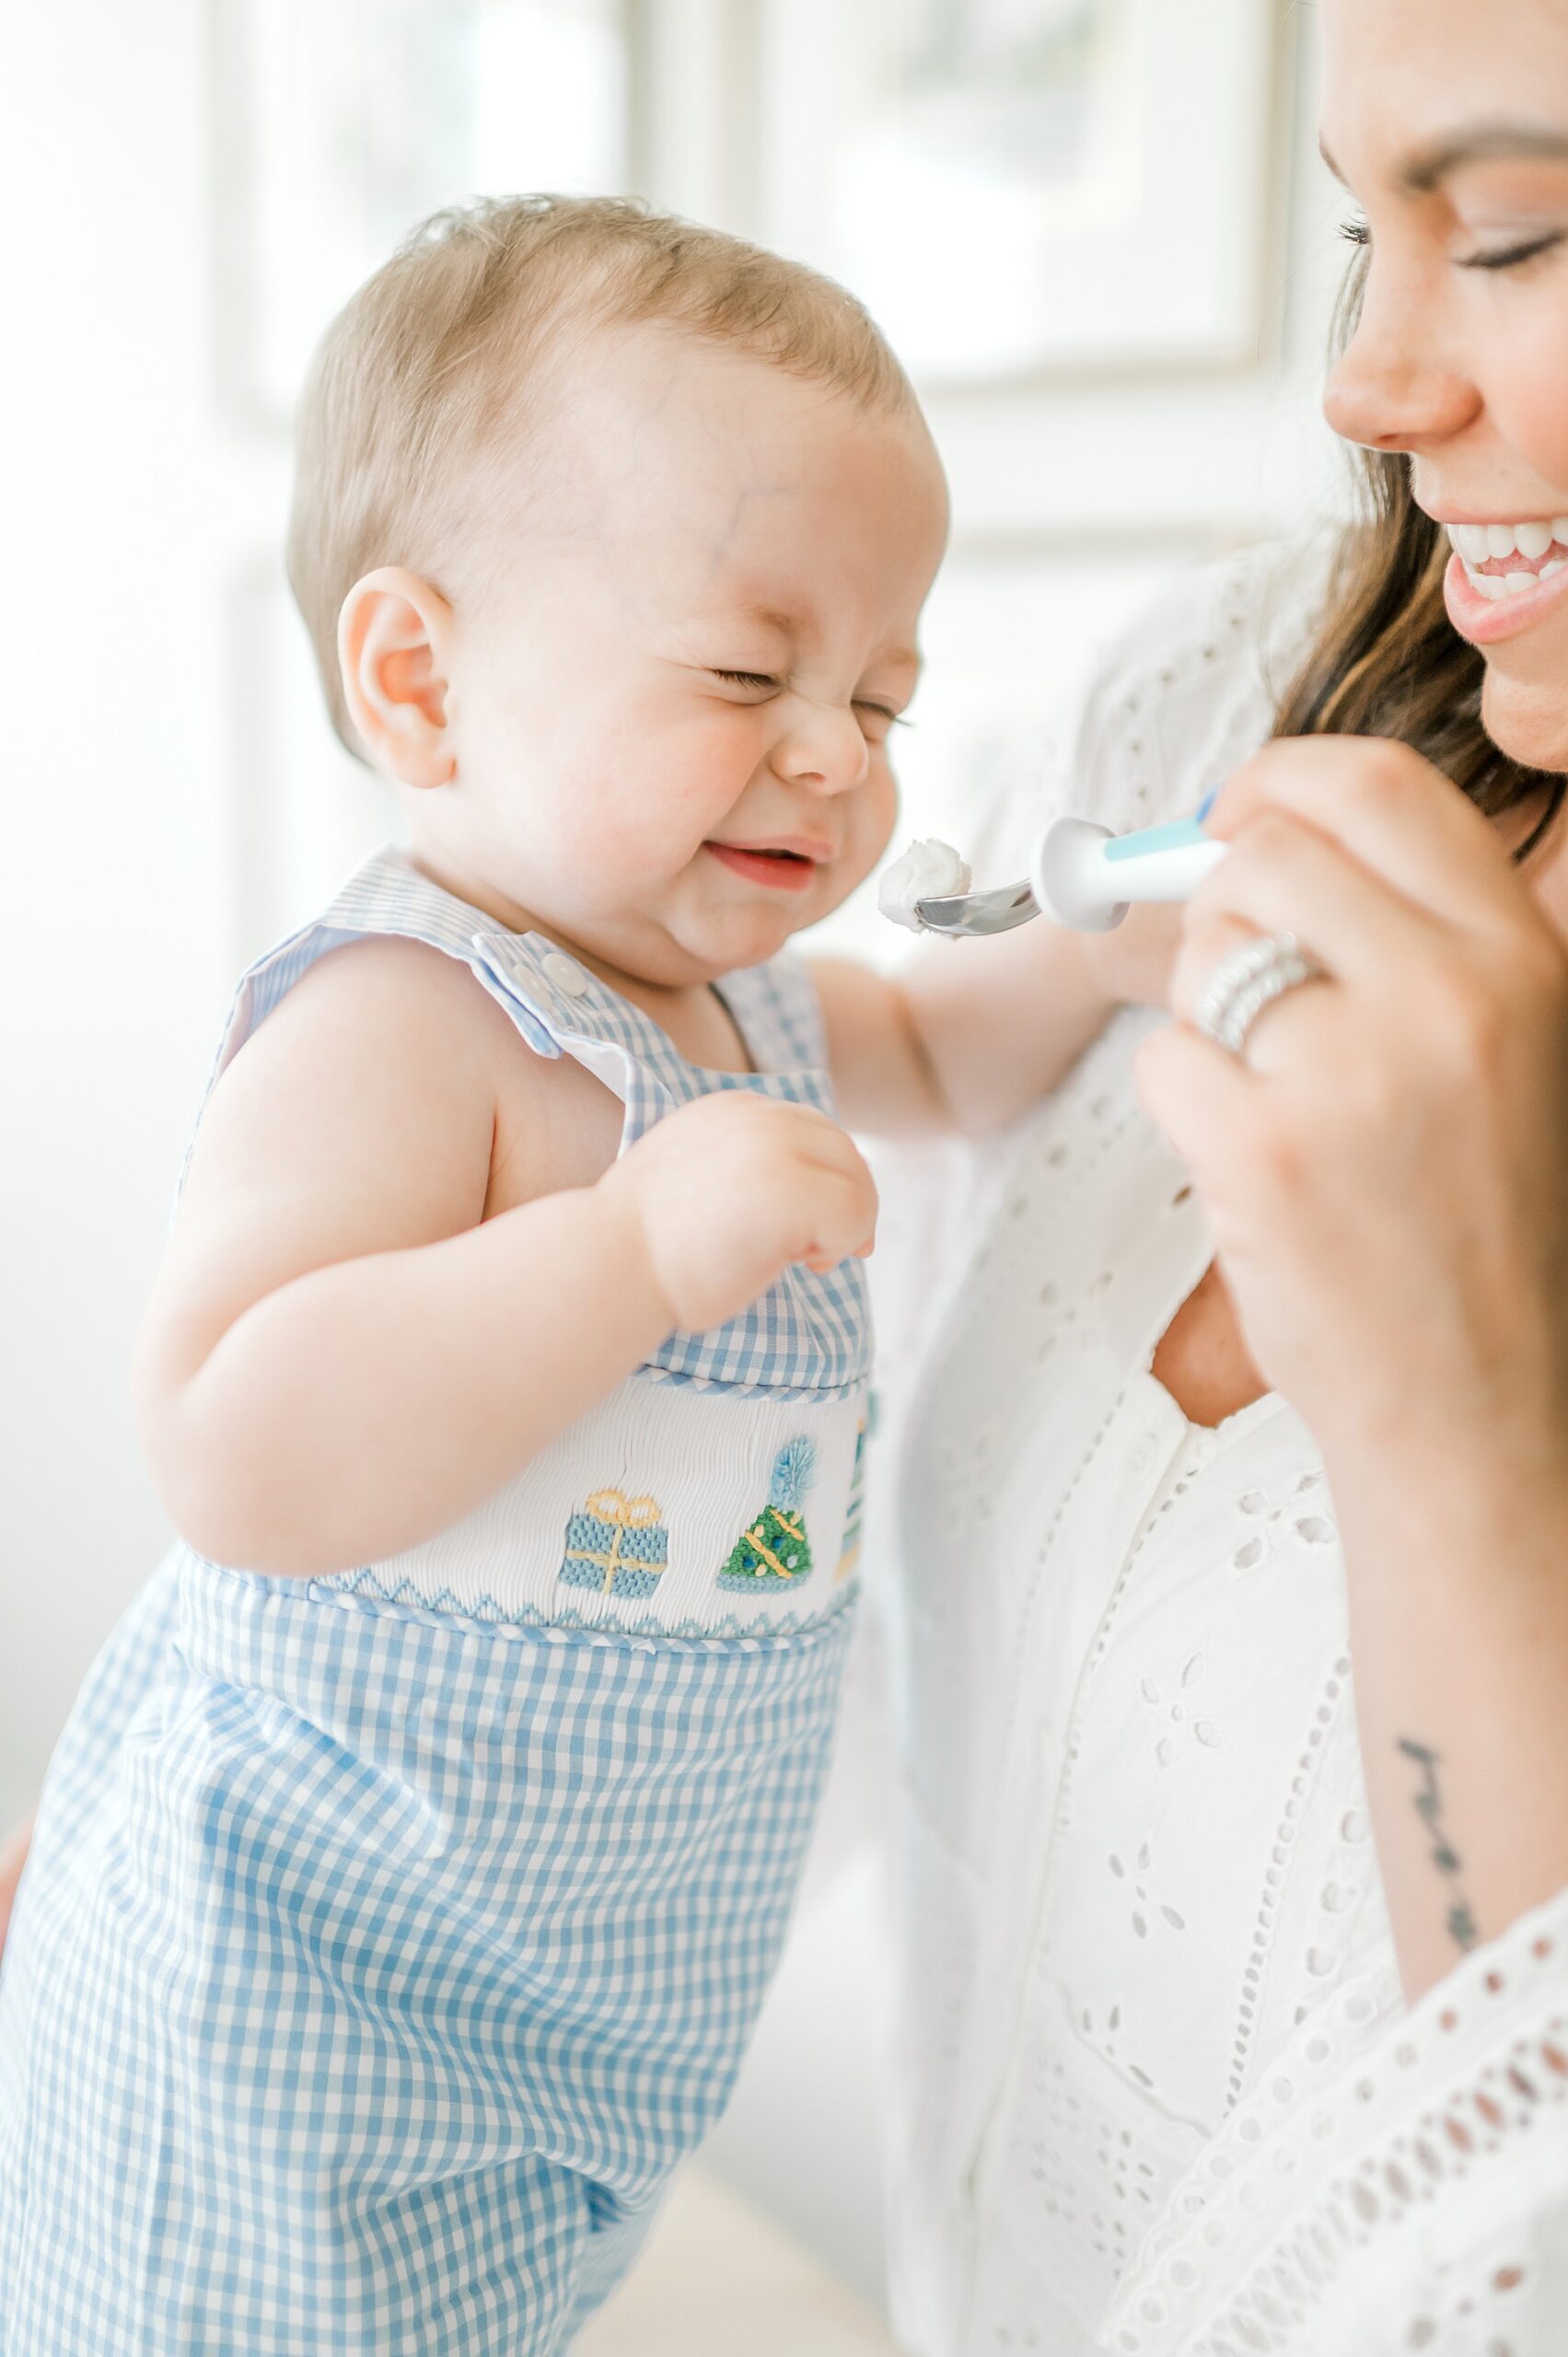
{"x":1447,"y":120}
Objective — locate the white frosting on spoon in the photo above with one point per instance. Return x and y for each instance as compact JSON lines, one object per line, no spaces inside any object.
{"x":928,"y":871}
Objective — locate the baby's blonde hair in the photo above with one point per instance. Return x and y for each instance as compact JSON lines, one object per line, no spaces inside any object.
{"x":445,"y":343}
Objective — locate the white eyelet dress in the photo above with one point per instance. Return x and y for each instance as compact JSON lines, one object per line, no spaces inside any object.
{"x":1157,"y":2092}
{"x":389,"y":1938}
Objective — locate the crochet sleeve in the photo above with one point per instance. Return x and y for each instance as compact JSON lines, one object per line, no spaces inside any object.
{"x":1401,"y":2183}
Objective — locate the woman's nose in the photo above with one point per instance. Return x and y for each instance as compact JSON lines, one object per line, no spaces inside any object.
{"x":1390,"y":391}
{"x":824,"y":749}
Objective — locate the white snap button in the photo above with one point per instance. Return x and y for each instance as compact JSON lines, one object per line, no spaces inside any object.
{"x":567,"y":977}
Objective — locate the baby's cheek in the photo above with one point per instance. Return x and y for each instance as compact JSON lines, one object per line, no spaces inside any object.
{"x":874,"y":815}
{"x":645,"y":827}
{"x":704,"y":765}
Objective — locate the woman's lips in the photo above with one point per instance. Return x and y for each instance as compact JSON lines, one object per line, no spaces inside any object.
{"x":786,"y":871}
{"x":1485,"y":621}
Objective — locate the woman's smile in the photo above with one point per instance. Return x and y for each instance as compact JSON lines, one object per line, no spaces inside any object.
{"x":1503,"y":576}
{"x":1503,"y":597}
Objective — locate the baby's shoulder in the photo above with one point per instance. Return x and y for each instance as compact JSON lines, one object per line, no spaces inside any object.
{"x":387,"y":997}
{"x":387,"y":1041}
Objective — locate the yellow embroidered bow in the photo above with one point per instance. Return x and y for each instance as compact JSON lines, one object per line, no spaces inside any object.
{"x":623,"y":1513}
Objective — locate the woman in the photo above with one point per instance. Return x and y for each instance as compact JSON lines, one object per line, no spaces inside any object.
{"x":1236,"y":2007}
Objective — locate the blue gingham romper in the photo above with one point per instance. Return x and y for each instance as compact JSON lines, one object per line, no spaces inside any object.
{"x":389,"y":1938}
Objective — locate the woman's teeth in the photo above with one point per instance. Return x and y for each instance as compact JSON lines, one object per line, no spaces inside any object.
{"x":1506,"y":559}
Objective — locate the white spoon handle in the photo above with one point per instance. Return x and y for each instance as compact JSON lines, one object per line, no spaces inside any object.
{"x":1086,"y":878}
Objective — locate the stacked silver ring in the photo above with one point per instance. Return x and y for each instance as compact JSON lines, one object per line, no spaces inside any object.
{"x":1247,"y":982}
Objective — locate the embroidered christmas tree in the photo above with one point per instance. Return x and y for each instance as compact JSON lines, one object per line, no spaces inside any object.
{"x":774,"y":1551}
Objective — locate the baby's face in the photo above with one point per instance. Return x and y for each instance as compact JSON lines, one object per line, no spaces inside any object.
{"x":671,"y":692}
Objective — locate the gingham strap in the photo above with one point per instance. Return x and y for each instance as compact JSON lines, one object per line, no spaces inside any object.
{"x":810,"y":1337}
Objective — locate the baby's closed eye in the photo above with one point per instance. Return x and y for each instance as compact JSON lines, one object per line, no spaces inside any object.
{"x":883,"y":716}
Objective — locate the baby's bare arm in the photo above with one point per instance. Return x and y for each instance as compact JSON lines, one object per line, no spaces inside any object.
{"x":340,"y":1358}
{"x":344,"y":1355}
{"x":973,"y":1033}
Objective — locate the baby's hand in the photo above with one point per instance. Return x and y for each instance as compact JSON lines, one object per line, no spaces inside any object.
{"x":728,"y":1191}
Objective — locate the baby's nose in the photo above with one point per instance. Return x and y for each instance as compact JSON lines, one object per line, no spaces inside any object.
{"x":825,"y":749}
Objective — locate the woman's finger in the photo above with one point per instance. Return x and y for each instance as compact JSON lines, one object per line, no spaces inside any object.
{"x":1283,"y":876}
{"x":1197,"y":1095}
{"x":1275,"y":1038}
{"x":1390,"y":809}
{"x":1211,"y":936}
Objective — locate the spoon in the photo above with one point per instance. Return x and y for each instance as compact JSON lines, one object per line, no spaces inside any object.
{"x":1086,"y":877}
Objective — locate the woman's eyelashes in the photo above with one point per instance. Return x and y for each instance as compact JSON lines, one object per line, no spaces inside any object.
{"x":1357,"y":230}
{"x":1510,"y":257}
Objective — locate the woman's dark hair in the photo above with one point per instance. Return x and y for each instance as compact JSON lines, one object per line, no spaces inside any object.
{"x":1386,"y":661}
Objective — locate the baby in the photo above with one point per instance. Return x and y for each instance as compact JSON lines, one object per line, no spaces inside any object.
{"x":410,"y":1872}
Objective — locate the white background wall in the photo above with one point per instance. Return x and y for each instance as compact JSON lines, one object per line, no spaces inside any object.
{"x":172,"y":797}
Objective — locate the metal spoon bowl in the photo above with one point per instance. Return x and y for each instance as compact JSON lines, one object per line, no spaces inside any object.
{"x":968,"y":915}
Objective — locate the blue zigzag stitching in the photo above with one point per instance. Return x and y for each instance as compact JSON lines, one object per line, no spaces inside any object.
{"x":368,"y":1590}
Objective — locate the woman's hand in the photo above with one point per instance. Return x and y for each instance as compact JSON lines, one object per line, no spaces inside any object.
{"x":1387,"y":1168}
{"x":1386,"y":1173}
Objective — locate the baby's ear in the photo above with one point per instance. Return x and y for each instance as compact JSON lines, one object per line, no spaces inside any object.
{"x":392,"y":636}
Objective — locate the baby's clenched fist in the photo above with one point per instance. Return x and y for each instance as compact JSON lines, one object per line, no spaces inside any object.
{"x":728,"y":1192}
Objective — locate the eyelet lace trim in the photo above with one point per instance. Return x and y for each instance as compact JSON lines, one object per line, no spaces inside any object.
{"x":1371,"y":2114}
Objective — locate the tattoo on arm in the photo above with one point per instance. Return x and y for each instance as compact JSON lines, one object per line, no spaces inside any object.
{"x":1429,"y":1808}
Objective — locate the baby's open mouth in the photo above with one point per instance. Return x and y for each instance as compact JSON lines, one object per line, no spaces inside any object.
{"x":786,"y":871}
